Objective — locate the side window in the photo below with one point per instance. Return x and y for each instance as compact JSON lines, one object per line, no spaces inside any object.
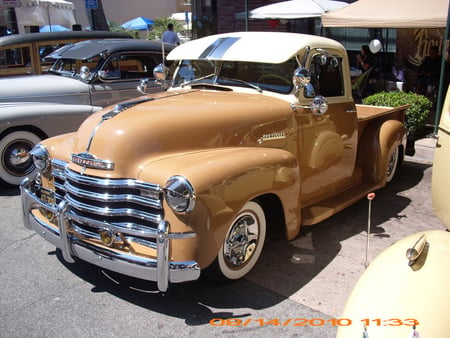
{"x":326,"y":75}
{"x":137,"y":66}
{"x":15,"y":57}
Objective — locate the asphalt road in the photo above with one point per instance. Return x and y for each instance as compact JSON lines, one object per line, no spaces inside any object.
{"x":309,"y":277}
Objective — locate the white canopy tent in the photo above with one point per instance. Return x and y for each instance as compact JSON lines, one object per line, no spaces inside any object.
{"x":293,"y":9}
{"x":45,"y":12}
{"x":395,"y":14}
{"x":389,"y":14}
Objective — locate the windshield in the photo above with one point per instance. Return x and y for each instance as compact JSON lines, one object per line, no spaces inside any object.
{"x":72,"y":67}
{"x":266,"y":76}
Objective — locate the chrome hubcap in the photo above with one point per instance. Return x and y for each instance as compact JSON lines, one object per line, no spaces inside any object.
{"x":241,"y":240}
{"x":392,"y":163}
{"x":16,"y":158}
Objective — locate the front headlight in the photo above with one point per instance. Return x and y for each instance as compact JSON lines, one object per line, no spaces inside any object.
{"x":41,"y":158}
{"x":180,"y":195}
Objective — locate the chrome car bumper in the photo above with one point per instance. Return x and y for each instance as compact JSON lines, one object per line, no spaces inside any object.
{"x":160,"y":269}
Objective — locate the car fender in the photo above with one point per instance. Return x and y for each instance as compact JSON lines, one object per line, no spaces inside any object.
{"x":393,"y":293}
{"x":49,"y":119}
{"x":375,"y":146}
{"x":224,"y":180}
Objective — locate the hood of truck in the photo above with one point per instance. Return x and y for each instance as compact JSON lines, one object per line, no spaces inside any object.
{"x":43,"y":88}
{"x":174,"y":123}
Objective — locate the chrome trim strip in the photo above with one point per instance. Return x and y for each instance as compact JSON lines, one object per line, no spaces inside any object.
{"x":162,"y":244}
{"x":62,"y":223}
{"x":102,"y":197}
{"x":112,"y":212}
{"x":128,"y":228}
{"x":111,"y":183}
{"x":26,"y":202}
{"x":91,"y":138}
{"x":143,"y":231}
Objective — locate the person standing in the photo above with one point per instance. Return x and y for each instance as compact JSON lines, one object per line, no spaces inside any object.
{"x":364,"y":60}
{"x":169,"y":36}
{"x":429,"y":72}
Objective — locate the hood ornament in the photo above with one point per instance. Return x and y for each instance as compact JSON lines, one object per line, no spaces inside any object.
{"x":87,"y":160}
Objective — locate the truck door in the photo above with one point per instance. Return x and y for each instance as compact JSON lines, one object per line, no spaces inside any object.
{"x":441,"y":167}
{"x":328,"y":149}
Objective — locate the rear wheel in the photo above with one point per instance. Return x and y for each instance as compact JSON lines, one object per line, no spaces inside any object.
{"x":392,"y":164}
{"x":15,"y":161}
{"x":243,"y":242}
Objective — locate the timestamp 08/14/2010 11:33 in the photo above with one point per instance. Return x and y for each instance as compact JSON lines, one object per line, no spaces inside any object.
{"x":313,"y":322}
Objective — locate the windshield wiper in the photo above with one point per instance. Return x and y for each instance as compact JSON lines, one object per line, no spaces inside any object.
{"x":197,"y":79}
{"x":248,"y":84}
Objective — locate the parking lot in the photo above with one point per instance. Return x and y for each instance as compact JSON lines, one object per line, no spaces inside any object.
{"x":309,"y":277}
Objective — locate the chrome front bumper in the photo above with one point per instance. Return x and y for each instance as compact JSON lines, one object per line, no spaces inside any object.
{"x":160,"y":269}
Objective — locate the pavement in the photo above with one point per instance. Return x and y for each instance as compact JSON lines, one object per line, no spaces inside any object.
{"x":306,"y":280}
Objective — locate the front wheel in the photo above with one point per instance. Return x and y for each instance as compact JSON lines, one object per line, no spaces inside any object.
{"x":392,"y":164}
{"x":243,"y":242}
{"x":16,"y":162}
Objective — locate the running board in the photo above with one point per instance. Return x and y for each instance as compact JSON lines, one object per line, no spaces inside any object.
{"x":320,"y":211}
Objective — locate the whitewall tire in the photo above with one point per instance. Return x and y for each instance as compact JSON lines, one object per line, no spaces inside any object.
{"x":243,"y":242}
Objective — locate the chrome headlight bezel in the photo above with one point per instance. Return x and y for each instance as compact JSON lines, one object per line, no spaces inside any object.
{"x":41,"y":158}
{"x":179,"y":194}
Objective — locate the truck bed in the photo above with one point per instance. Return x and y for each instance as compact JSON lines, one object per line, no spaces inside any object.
{"x":367,"y":112}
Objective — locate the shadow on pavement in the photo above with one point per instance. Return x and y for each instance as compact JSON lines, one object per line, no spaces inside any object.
{"x":8,"y":190}
{"x":284,"y":267}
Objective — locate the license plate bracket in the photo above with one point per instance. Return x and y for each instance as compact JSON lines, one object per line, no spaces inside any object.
{"x":47,"y":196}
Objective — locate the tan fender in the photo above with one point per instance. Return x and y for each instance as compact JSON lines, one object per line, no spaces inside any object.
{"x":224,"y":180}
{"x":376,"y":145}
{"x":392,"y":135}
{"x":407,"y":282}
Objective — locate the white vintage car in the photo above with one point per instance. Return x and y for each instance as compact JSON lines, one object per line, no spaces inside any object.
{"x":404,"y":293}
{"x":85,"y":77}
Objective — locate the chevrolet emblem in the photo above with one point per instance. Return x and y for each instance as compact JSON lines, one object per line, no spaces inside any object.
{"x":90,"y":161}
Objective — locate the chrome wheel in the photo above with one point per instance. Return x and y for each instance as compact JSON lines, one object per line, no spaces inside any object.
{"x":16,"y":163}
{"x":243,"y":242}
{"x":392,"y":165}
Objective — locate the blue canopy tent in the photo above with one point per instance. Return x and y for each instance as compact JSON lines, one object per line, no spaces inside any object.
{"x":139,"y":23}
{"x":53,"y":28}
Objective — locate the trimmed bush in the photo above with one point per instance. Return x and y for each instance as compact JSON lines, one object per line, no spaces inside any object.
{"x":416,"y":114}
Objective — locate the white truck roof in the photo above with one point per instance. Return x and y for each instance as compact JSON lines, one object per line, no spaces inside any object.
{"x":265,"y":47}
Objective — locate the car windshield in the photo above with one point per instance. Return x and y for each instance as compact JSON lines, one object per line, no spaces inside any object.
{"x":72,"y":67}
{"x":262,"y":76}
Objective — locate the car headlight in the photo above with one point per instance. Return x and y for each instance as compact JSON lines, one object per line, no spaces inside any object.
{"x":41,"y":158}
{"x":179,"y":194}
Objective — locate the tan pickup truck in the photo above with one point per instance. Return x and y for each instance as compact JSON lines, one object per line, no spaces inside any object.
{"x":257,"y":132}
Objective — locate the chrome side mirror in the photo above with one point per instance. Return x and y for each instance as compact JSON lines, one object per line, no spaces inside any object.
{"x":302,"y":79}
{"x":142,"y":87}
{"x":319,"y":105}
{"x":84,"y":72}
{"x":160,"y":73}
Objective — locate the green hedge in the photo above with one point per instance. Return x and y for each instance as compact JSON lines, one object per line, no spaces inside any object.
{"x":416,"y":114}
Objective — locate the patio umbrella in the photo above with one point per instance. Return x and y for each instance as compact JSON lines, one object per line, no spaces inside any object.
{"x":293,"y":9}
{"x":53,"y":28}
{"x":139,"y":23}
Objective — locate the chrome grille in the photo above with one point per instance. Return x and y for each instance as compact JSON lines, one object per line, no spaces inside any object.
{"x":128,"y":205}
